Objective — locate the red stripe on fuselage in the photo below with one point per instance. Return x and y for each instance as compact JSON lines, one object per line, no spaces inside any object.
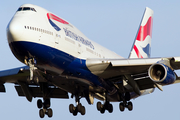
{"x":51,"y":16}
{"x":145,"y":30}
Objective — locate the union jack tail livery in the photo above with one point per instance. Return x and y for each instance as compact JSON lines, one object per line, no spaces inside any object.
{"x":142,"y":43}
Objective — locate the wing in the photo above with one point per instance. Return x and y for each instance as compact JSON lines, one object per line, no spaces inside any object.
{"x":140,"y":73}
{"x":19,"y":76}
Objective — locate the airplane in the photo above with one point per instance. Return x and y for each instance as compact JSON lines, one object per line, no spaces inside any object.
{"x":60,"y":60}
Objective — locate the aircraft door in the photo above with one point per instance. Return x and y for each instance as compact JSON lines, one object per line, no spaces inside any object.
{"x":79,"y":49}
{"x":56,"y":39}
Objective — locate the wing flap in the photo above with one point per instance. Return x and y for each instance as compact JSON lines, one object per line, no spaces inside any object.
{"x":145,"y":83}
{"x":36,"y":92}
{"x":175,"y":63}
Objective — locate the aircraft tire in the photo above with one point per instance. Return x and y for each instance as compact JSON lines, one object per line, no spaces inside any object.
{"x":79,"y":107}
{"x":102,"y":110}
{"x":49,"y":112}
{"x":130,"y":106}
{"x":99,"y":106}
{"x":121,"y":107}
{"x":110,"y":108}
{"x":75,"y":113}
{"x":83,"y":110}
{"x":71,"y":108}
{"x":39,"y":103}
{"x":41,"y":113}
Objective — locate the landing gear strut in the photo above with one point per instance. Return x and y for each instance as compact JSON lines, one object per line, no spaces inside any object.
{"x":31,"y":63}
{"x":106,"y":106}
{"x":79,"y":108}
{"x":44,"y":108}
{"x":126,"y":104}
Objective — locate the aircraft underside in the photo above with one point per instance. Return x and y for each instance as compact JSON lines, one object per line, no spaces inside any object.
{"x":75,"y":78}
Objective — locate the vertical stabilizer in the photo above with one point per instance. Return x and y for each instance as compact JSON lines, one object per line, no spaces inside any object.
{"x":142,"y":43}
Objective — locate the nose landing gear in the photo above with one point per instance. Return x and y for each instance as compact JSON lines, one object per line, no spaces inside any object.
{"x":31,"y":63}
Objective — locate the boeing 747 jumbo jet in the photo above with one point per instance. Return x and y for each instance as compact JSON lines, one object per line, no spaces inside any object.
{"x":60,"y":59}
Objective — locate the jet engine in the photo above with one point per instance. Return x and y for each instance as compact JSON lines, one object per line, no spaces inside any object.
{"x":161,"y":74}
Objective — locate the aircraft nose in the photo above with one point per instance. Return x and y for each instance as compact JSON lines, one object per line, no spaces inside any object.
{"x":14,"y":30}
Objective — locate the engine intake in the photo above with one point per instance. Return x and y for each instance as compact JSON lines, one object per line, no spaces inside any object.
{"x":161,"y":74}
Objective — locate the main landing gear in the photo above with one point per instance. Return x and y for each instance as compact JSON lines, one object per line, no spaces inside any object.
{"x":125,"y":103}
{"x":78,"y":108}
{"x":44,"y":108}
{"x":105,"y":106}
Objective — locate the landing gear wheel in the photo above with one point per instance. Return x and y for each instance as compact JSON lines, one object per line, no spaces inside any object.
{"x":99,"y":106}
{"x":39,"y":103}
{"x":121,"y":107}
{"x":83,"y":110}
{"x":41,"y":113}
{"x":102,"y":110}
{"x":75,"y":113}
{"x":71,"y":108}
{"x":110,"y":108}
{"x":79,"y":107}
{"x":49,"y":112}
{"x":130,"y":106}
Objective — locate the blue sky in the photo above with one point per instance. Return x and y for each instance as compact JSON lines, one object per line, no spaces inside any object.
{"x":112,"y":24}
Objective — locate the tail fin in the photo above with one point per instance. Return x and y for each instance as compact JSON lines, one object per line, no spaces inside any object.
{"x":142,"y":43}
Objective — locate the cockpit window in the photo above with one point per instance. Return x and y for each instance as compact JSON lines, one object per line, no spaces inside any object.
{"x":26,"y":9}
{"x":19,"y":9}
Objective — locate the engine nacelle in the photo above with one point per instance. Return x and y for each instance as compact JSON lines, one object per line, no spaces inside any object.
{"x":161,"y":74}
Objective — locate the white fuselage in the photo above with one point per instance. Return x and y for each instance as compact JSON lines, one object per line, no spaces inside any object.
{"x":57,"y":45}
{"x":34,"y":26}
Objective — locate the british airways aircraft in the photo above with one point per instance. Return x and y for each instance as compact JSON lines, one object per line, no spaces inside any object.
{"x":60,"y":59}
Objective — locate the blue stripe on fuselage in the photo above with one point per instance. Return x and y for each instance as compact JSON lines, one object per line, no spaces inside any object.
{"x":48,"y":56}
